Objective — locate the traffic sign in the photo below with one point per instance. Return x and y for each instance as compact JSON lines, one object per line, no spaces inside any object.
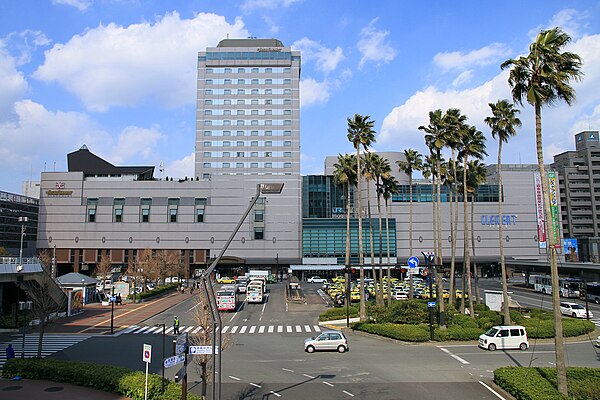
{"x":147,"y":354}
{"x":431,"y":304}
{"x":181,"y":344}
{"x":429,"y":257}
{"x":112,"y":299}
{"x":172,"y":361}
{"x":413,"y":262}
{"x":193,"y":350}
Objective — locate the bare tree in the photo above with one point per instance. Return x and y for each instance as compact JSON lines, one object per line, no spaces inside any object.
{"x":166,"y":263}
{"x":104,"y":269}
{"x":204,"y":363}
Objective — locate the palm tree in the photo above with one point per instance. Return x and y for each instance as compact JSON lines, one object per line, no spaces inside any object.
{"x":473,"y":145}
{"x":413,"y":162}
{"x":345,"y":174}
{"x":390,"y":186}
{"x":369,"y":174}
{"x":454,"y":123}
{"x":361,"y":134}
{"x":543,"y":78}
{"x":429,"y":173}
{"x":381,"y":170}
{"x":476,"y":175}
{"x":503,"y":122}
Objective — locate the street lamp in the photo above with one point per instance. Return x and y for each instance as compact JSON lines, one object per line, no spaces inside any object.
{"x":83,"y":292}
{"x":24,"y":306}
{"x":261,"y":188}
{"x":163,"y":356}
{"x":22,"y":220}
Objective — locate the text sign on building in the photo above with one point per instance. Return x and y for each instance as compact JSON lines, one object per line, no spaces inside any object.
{"x":552,"y":184}
{"x":494,"y":219}
{"x":539,"y":211}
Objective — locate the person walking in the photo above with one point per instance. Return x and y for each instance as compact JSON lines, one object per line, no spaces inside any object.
{"x":10,"y":352}
{"x":176,"y":325}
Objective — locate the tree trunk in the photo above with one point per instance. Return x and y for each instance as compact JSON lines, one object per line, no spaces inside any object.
{"x":381,"y":244}
{"x":40,"y":339}
{"x":361,"y":261}
{"x":204,"y":379}
{"x":550,"y":240}
{"x":347,"y":260}
{"x":467,"y":261}
{"x":387,"y":234}
{"x":439,"y":257}
{"x":452,"y":232}
{"x":506,"y":308}
{"x":411,"y":291}
{"x":378,"y":296}
{"x":475,"y":272}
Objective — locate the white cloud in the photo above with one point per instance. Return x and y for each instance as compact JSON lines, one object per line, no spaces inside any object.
{"x":24,"y":44}
{"x":181,"y":168}
{"x":250,"y":5}
{"x":569,"y":20}
{"x":81,"y":5}
{"x":313,"y":92}
{"x":463,"y":77}
{"x":559,"y":122}
{"x":112,"y":65}
{"x":136,"y":143}
{"x":484,"y":56}
{"x":373,"y":46}
{"x":326,"y":59}
{"x":12,"y":83}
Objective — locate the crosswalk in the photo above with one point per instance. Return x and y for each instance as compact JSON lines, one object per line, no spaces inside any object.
{"x":51,"y":344}
{"x":227,"y":329}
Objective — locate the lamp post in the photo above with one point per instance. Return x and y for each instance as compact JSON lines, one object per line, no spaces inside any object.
{"x":261,"y":188}
{"x":24,"y":306}
{"x":22,"y":220}
{"x":83,"y":292}
{"x":112,"y":309}
{"x":163,"y":356}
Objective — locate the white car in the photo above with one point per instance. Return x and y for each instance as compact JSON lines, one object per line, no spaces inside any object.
{"x":316,"y":279}
{"x":597,"y":342}
{"x":574,"y":310}
{"x":400,"y":295}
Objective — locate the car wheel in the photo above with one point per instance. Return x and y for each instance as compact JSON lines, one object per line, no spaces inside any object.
{"x":543,"y":291}
{"x":310,"y":349}
{"x":597,"y":300}
{"x":523,"y":346}
{"x":574,"y":315}
{"x":341,"y":349}
{"x":492,"y":347}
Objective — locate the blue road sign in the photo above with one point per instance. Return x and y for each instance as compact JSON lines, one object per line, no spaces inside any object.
{"x":172,"y":361}
{"x":112,"y":299}
{"x":431,"y":304}
{"x":413,"y":262}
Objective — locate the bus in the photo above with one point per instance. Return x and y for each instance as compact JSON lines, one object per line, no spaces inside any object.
{"x":569,"y":287}
{"x":592,"y":291}
{"x":227,"y":298}
{"x":255,"y":292}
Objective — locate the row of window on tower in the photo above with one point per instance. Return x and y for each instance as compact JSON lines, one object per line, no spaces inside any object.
{"x":144,"y":208}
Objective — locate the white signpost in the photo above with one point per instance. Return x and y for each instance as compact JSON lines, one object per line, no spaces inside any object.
{"x":194,"y":350}
{"x":146,"y":357}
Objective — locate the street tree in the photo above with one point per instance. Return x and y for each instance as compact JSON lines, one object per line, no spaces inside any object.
{"x":389,"y":188}
{"x":503,"y":123}
{"x":381,"y":170}
{"x":543,"y":77}
{"x":368,"y":163}
{"x":476,"y":176}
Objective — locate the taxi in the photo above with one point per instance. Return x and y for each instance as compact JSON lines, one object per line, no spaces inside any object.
{"x":226,"y":280}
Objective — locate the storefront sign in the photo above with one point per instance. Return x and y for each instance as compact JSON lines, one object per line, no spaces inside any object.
{"x":494,"y":219}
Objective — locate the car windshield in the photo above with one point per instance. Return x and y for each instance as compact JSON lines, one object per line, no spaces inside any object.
{"x":224,"y":293}
{"x":577,"y":307}
{"x":491,"y":332}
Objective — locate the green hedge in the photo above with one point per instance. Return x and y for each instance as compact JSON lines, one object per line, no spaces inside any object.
{"x":338,"y":313}
{"x":100,"y":377}
{"x":157,"y":291}
{"x":543,"y":328}
{"x":407,"y":333}
{"x":540,"y":383}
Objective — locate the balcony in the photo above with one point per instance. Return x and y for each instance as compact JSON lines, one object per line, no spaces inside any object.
{"x":586,"y":212}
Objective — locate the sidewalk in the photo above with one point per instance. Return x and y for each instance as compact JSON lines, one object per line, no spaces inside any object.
{"x":32,"y":389}
{"x":96,"y":319}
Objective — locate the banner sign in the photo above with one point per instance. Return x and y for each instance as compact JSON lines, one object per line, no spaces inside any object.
{"x":571,"y":250}
{"x":553,"y":188}
{"x":539,"y":211}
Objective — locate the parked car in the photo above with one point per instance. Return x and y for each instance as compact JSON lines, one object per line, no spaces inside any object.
{"x":597,"y":342}
{"x":400,"y":295}
{"x":504,"y":337}
{"x":316,"y":279}
{"x":574,"y":310}
{"x":327,"y":340}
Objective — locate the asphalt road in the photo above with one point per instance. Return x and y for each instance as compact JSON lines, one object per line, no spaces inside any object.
{"x":263,"y":363}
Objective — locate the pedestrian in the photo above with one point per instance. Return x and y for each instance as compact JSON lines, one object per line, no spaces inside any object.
{"x":192,"y":289}
{"x":119,"y":299}
{"x":176,"y":325}
{"x":10,"y":352}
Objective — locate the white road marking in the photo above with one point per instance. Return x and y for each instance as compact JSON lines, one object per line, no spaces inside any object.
{"x":142,"y":329}
{"x":197,"y":329}
{"x":234,"y":329}
{"x":286,"y":307}
{"x":307,"y":328}
{"x":252,"y":329}
{"x":194,"y":307}
{"x":316,"y":328}
{"x":225,"y":328}
{"x":289,"y":329}
{"x":462,"y":361}
{"x":169,"y":330}
{"x":154,"y":329}
{"x":243,"y":330}
{"x":348,"y":393}
{"x":298,"y":328}
{"x":236,"y":378}
{"x":279,"y":329}
{"x":271,"y":327}
{"x":254,"y":384}
{"x":263,"y":311}
{"x":309,"y":376}
{"x":329,"y":384}
{"x":261,"y":329}
{"x":276,"y":394}
{"x":238,"y":310}
{"x":288,"y":370}
{"x":187,"y":329}
{"x":492,"y":390}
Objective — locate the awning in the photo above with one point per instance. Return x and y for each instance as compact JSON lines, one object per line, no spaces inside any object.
{"x":316,"y":267}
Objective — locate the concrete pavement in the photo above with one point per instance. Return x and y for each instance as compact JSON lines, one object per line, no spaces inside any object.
{"x":32,"y":389}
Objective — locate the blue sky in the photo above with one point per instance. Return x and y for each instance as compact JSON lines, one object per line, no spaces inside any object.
{"x":120,"y":75}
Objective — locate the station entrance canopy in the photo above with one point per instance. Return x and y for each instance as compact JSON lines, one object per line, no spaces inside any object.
{"x":316,"y":267}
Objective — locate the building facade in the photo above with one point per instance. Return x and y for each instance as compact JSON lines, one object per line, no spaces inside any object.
{"x":12,"y":207}
{"x":248,"y":110}
{"x":579,"y":182}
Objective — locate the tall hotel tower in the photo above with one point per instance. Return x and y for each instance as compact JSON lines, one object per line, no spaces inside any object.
{"x":248,"y":111}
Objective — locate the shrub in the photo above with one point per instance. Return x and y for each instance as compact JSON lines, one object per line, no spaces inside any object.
{"x":464,"y":321}
{"x":408,"y":312}
{"x":538,"y":328}
{"x":157,"y":291}
{"x":100,"y":377}
{"x":408,"y":333}
{"x":338,"y":313}
{"x":485,"y":323}
{"x":480,"y":307}
{"x":493,"y":316}
{"x":457,"y":332}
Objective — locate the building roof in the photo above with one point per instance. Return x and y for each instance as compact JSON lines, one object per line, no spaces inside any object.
{"x":75,"y":278}
{"x":250,"y":43}
{"x":87,"y":162}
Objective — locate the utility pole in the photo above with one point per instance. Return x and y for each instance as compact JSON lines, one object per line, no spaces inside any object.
{"x":22,"y":220}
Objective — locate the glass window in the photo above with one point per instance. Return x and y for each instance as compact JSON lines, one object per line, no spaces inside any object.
{"x":254,"y":112}
{"x":145,"y":214}
{"x":268,"y":122}
{"x":227,"y":91}
{"x":227,"y":102}
{"x":254,"y":102}
{"x":208,"y":122}
{"x":269,"y":70}
{"x":226,"y":143}
{"x":254,"y":133}
{"x":287,"y":112}
{"x":118,"y":215}
{"x":209,"y":70}
{"x":241,"y":70}
{"x":287,"y":143}
{"x":268,"y":143}
{"x":287,"y":81}
{"x":207,"y":154}
{"x":254,"y":154}
{"x":240,"y":133}
{"x":268,"y":112}
{"x":241,"y":81}
{"x":240,"y":122}
{"x":240,"y":154}
{"x":226,"y":133}
{"x":241,"y":112}
{"x":207,"y":144}
{"x":226,"y":154}
{"x":208,"y":91}
{"x":268,"y":133}
{"x":227,"y":81}
{"x":240,"y":143}
{"x":200,"y":215}
{"x":226,"y":122}
{"x":287,"y":91}
{"x":259,"y":216}
{"x":240,"y":91}
{"x":287,"y":70}
{"x":254,"y":143}
{"x":254,"y":165}
{"x":239,"y":165}
{"x":268,"y":91}
{"x":226,"y":112}
{"x":255,"y":70}
{"x":209,"y":81}
{"x":227,"y":70}
{"x":241,"y":102}
{"x":226,"y":165}
{"x":207,"y":133}
{"x":268,"y":81}
{"x":287,"y":122}
{"x":287,"y":153}
{"x":259,"y":233}
{"x":287,"y":102}
{"x":255,"y":81}
{"x":287,"y":165}
{"x":254,"y":122}
{"x":173,"y":215}
{"x":207,"y":112}
{"x":287,"y":133}
{"x":91,"y":215}
{"x":268,"y":101}
{"x":208,"y":102}
{"x":206,"y":165}
{"x":254,"y":91}
{"x":268,"y":165}
{"x":268,"y":154}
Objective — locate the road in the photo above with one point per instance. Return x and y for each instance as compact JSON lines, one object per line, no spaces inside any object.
{"x":266,"y":358}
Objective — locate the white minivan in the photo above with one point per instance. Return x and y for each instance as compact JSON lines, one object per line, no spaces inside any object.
{"x":504,"y":337}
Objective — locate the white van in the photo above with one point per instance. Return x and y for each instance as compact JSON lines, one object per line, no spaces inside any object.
{"x":504,"y":337}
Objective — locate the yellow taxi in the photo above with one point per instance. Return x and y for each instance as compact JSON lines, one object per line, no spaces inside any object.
{"x":459,"y":294}
{"x":339,"y":279}
{"x":226,"y":280}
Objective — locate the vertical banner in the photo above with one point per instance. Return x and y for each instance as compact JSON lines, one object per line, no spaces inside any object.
{"x":552,"y":184}
{"x":539,"y":211}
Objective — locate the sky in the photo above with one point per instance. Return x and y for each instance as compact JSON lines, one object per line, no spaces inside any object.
{"x":120,"y":75}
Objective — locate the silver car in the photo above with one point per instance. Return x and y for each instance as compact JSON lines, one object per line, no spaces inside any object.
{"x":327,"y":340}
